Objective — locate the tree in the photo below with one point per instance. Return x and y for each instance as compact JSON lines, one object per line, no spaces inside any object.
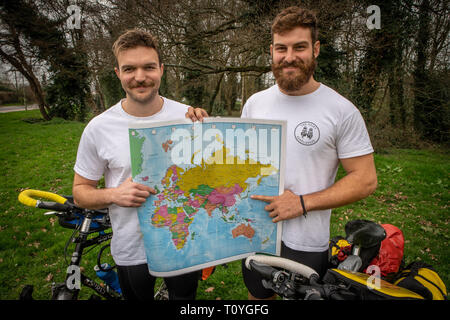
{"x":216,"y":54}
{"x":26,"y":26}
{"x":17,"y":50}
{"x":431,"y":107}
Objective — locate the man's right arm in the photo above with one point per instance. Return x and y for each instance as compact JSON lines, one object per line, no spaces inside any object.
{"x":128,"y":194}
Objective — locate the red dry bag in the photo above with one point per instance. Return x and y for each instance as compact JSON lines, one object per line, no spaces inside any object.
{"x":389,"y":258}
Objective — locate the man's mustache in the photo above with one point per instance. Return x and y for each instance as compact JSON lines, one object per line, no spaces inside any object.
{"x":145,"y":84}
{"x":295,"y":64}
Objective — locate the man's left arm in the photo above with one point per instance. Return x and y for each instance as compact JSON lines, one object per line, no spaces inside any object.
{"x":359,"y":182}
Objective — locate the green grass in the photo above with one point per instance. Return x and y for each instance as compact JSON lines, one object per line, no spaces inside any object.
{"x":413,"y":194}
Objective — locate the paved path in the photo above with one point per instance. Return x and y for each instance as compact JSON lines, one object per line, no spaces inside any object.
{"x":18,"y":108}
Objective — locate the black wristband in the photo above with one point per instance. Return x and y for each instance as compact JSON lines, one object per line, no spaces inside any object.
{"x":303,"y":206}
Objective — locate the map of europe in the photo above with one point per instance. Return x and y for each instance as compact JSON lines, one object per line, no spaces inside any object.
{"x":204,"y":174}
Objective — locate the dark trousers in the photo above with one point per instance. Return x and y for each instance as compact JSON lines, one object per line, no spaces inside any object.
{"x":137,"y":284}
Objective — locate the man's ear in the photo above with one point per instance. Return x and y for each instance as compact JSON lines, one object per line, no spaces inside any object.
{"x":116,"y":70}
{"x":271,"y":51}
{"x":316,"y":49}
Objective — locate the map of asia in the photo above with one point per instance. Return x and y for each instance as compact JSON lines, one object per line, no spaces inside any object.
{"x":204,"y":173}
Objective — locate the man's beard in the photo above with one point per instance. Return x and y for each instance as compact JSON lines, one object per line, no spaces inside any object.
{"x":293,"y":82}
{"x":142,"y":99}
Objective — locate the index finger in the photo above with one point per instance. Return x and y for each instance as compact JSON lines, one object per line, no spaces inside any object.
{"x":143,"y":187}
{"x":263,"y":198}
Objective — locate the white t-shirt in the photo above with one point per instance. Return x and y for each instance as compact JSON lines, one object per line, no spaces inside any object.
{"x":322,"y":127}
{"x":104,"y":150}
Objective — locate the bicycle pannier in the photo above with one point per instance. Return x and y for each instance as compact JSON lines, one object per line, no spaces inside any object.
{"x":421,"y":278}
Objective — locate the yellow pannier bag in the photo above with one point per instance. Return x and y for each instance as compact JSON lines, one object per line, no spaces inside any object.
{"x":365,"y":287}
{"x":422,"y":279}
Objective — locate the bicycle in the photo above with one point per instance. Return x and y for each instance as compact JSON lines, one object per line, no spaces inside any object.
{"x":295,"y":281}
{"x":84,"y":222}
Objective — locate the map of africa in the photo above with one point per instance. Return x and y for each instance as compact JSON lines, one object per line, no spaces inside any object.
{"x":204,"y":174}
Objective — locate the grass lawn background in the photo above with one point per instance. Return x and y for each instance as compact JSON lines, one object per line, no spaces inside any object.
{"x":412,"y":194}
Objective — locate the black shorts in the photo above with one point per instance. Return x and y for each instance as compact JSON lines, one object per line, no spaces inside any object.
{"x":316,"y":260}
{"x":136,"y":283}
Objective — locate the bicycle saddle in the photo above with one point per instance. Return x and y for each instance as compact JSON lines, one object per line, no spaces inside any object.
{"x":364,"y":233}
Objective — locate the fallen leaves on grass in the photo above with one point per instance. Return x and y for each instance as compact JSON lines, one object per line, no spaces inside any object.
{"x":400,"y":196}
{"x":52,"y":221}
{"x":34,"y":244}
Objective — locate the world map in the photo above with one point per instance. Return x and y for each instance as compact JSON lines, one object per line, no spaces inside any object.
{"x":204,"y":174}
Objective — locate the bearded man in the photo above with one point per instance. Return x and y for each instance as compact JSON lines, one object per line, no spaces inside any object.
{"x":324,"y":130}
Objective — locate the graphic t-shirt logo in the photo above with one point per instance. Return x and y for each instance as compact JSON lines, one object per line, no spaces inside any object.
{"x":307,"y":133}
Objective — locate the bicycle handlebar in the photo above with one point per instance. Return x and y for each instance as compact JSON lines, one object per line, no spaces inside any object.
{"x":282,"y":283}
{"x":58,"y":203}
{"x":283,"y":263}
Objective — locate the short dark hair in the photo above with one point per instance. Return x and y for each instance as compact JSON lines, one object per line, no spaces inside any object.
{"x":135,"y":38}
{"x":294,"y":17}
